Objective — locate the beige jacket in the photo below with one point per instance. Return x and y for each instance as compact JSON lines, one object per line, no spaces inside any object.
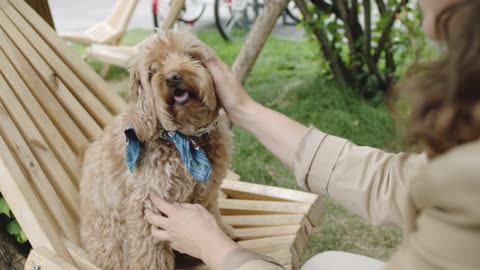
{"x":436,"y":203}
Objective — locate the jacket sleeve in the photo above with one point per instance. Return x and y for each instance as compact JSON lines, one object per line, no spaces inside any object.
{"x":367,"y":181}
{"x":242,"y":259}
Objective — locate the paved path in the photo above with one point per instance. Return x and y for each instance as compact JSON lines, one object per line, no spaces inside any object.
{"x":78,"y":15}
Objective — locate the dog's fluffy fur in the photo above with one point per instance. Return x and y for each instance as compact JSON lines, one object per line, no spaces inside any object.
{"x":113,"y":227}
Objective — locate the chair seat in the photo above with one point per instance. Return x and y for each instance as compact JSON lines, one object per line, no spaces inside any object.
{"x":100,"y":33}
{"x":272,"y":221}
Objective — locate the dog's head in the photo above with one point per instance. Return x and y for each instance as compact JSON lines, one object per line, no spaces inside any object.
{"x":170,"y":86}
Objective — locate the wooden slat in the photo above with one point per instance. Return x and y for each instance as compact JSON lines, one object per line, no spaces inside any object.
{"x":46,"y":260}
{"x":121,"y":56}
{"x":295,"y":259}
{"x":79,"y":256}
{"x":15,"y":67}
{"x":57,"y":70}
{"x":263,"y":220}
{"x":231,"y":175}
{"x":255,"y":233}
{"x":74,"y":63}
{"x":268,"y":242}
{"x":27,"y":208}
{"x":315,"y":212}
{"x":301,"y":241}
{"x":231,"y":207}
{"x":250,"y":191}
{"x":50,"y":164}
{"x":36,"y":176}
{"x":43,"y":9}
{"x":42,"y":121}
{"x":81,"y":117}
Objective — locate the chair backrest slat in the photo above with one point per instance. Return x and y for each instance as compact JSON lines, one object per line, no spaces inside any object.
{"x":61,"y":71}
{"x":51,"y":104}
{"x":16,"y":67}
{"x":65,"y":185}
{"x":36,"y":176}
{"x":28,"y":21}
{"x":53,"y":81}
{"x":41,"y":118}
{"x":30,"y":212}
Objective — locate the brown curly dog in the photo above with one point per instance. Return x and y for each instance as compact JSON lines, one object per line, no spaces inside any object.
{"x":171,"y":93}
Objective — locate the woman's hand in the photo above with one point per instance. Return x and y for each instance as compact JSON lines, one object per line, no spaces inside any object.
{"x":230,"y":91}
{"x":278,"y":133}
{"x":190,"y":229}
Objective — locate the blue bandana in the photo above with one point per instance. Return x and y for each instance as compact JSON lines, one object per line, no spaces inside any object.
{"x":191,"y":153}
{"x":133,"y":147}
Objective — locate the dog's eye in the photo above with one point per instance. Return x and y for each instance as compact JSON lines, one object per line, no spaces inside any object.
{"x":154,"y":68}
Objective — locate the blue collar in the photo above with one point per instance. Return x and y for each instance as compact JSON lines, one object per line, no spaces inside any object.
{"x":191,"y":153}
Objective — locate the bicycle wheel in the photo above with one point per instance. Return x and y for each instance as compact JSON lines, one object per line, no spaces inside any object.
{"x":234,"y":18}
{"x":192,"y":11}
{"x":293,"y":12}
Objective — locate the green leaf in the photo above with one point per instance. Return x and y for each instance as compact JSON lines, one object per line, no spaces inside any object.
{"x":4,"y":208}
{"x":22,"y":238}
{"x":14,"y":228}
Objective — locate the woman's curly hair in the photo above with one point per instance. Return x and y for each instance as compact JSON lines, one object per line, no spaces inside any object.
{"x":445,"y":94}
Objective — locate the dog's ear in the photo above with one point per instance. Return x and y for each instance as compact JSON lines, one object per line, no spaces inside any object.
{"x":207,"y":54}
{"x":141,"y":104}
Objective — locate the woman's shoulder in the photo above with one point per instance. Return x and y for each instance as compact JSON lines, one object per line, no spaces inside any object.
{"x":461,"y":162}
{"x":451,"y":182}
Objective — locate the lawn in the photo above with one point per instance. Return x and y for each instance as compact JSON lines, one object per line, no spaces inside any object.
{"x":286,"y":78}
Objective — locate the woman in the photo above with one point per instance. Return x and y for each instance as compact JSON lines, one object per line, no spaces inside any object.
{"x":434,"y":197}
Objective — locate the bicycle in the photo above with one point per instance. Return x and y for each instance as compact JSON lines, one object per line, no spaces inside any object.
{"x":234,"y":18}
{"x":192,"y":10}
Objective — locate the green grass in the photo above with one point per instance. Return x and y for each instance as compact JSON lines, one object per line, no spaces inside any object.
{"x":286,"y":79}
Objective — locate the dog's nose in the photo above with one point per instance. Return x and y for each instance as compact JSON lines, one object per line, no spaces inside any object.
{"x":173,"y":79}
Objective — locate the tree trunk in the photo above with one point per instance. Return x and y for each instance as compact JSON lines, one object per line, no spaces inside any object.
{"x":43,"y":9}
{"x":11,"y":257}
{"x":256,"y":39}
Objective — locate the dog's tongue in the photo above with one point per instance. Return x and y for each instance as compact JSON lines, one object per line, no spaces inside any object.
{"x":182,"y":98}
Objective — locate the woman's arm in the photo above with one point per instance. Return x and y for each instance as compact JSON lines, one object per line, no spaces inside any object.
{"x":369,"y":182}
{"x":278,"y":133}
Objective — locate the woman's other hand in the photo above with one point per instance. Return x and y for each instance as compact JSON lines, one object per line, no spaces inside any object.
{"x":190,"y":229}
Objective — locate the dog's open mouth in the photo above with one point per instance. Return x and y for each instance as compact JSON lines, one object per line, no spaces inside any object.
{"x":182,"y":96}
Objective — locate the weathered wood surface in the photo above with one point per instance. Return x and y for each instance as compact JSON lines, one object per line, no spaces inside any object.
{"x":43,"y":9}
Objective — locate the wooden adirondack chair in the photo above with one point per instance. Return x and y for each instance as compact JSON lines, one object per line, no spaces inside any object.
{"x":108,"y":31}
{"x":120,"y":55}
{"x":51,"y":104}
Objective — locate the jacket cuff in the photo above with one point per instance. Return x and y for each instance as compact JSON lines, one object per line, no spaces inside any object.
{"x":315,"y":158}
{"x":240,"y":256}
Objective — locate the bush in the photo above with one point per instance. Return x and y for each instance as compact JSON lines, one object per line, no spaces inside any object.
{"x":364,"y":42}
{"x":12,"y":226}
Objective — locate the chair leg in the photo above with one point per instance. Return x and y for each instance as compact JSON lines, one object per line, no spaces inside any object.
{"x":104,"y":70}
